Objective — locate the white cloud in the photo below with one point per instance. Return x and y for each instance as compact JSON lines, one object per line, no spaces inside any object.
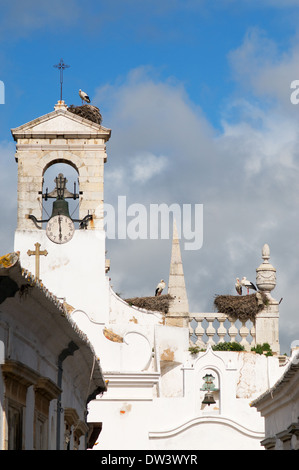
{"x":266,"y":142}
{"x":263,"y":71}
{"x":147,"y":166}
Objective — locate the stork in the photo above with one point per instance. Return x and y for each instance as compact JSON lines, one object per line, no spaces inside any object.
{"x":247,"y":284}
{"x":238,"y":286}
{"x":84,"y":96}
{"x":159,"y":288}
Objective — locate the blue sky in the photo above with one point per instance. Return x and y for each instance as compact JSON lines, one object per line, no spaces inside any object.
{"x":197,"y":93}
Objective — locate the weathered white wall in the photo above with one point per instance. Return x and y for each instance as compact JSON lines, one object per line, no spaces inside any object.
{"x":163,"y":409}
{"x":74,"y":271}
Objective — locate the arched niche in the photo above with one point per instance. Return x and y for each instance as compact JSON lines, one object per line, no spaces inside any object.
{"x":209,"y":375}
{"x":209,"y":362}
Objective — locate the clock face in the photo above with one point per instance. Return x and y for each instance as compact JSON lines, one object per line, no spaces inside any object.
{"x":60,"y":229}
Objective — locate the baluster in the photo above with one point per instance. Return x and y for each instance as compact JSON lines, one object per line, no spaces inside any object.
{"x":210,"y":331}
{"x":221,"y":332}
{"x":199,"y":330}
{"x":253,"y":334}
{"x":233,"y":331}
{"x":244,"y":333}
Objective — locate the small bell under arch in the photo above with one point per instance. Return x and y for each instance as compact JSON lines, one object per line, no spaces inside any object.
{"x":208,"y":399}
{"x":209,"y":388}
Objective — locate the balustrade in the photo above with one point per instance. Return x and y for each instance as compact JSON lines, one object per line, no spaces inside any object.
{"x":214,"y":328}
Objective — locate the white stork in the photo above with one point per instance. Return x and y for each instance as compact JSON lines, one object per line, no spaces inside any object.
{"x":238,"y":286}
{"x":84,"y":96}
{"x":247,"y":284}
{"x":160,"y":287}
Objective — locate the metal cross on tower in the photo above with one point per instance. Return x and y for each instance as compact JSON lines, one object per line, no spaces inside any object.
{"x":61,"y":66}
{"x":37,"y":253}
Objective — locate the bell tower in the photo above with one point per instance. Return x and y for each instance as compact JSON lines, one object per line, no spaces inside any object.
{"x":75,"y":255}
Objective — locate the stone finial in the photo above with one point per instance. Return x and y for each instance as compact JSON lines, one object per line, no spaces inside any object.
{"x":60,"y":105}
{"x":266,"y":253}
{"x":266,"y":273}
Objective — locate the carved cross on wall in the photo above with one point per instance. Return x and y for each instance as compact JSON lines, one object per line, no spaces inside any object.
{"x":37,"y":253}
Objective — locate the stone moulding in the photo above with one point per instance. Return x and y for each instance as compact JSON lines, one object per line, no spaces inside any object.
{"x":205,"y":420}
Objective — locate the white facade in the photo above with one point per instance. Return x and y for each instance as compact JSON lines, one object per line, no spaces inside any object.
{"x":154,"y":397}
{"x":48,"y":370}
{"x":280,"y":407}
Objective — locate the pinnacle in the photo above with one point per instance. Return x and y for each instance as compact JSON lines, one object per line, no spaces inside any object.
{"x":176,"y":284}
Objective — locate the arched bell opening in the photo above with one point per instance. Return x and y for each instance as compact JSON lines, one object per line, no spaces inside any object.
{"x":209,"y":392}
{"x":60,"y":191}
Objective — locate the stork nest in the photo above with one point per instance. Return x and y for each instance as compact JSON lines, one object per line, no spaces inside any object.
{"x":241,"y":307}
{"x":87,"y":111}
{"x":156,"y":304}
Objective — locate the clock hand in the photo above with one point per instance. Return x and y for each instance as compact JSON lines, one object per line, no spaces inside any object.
{"x":60,"y":234}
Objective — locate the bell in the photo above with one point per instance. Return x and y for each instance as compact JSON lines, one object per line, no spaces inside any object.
{"x":60,"y":207}
{"x":208,"y":399}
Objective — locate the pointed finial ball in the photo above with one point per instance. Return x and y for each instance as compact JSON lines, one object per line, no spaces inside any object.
{"x":266,"y":252}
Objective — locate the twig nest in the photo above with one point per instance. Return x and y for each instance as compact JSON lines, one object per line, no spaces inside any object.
{"x":159,"y":303}
{"x":241,"y":307}
{"x":87,"y":111}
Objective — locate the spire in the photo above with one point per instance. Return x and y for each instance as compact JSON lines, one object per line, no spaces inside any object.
{"x":179,"y":307}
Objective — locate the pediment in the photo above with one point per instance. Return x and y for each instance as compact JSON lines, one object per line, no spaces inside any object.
{"x":61,"y":123}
